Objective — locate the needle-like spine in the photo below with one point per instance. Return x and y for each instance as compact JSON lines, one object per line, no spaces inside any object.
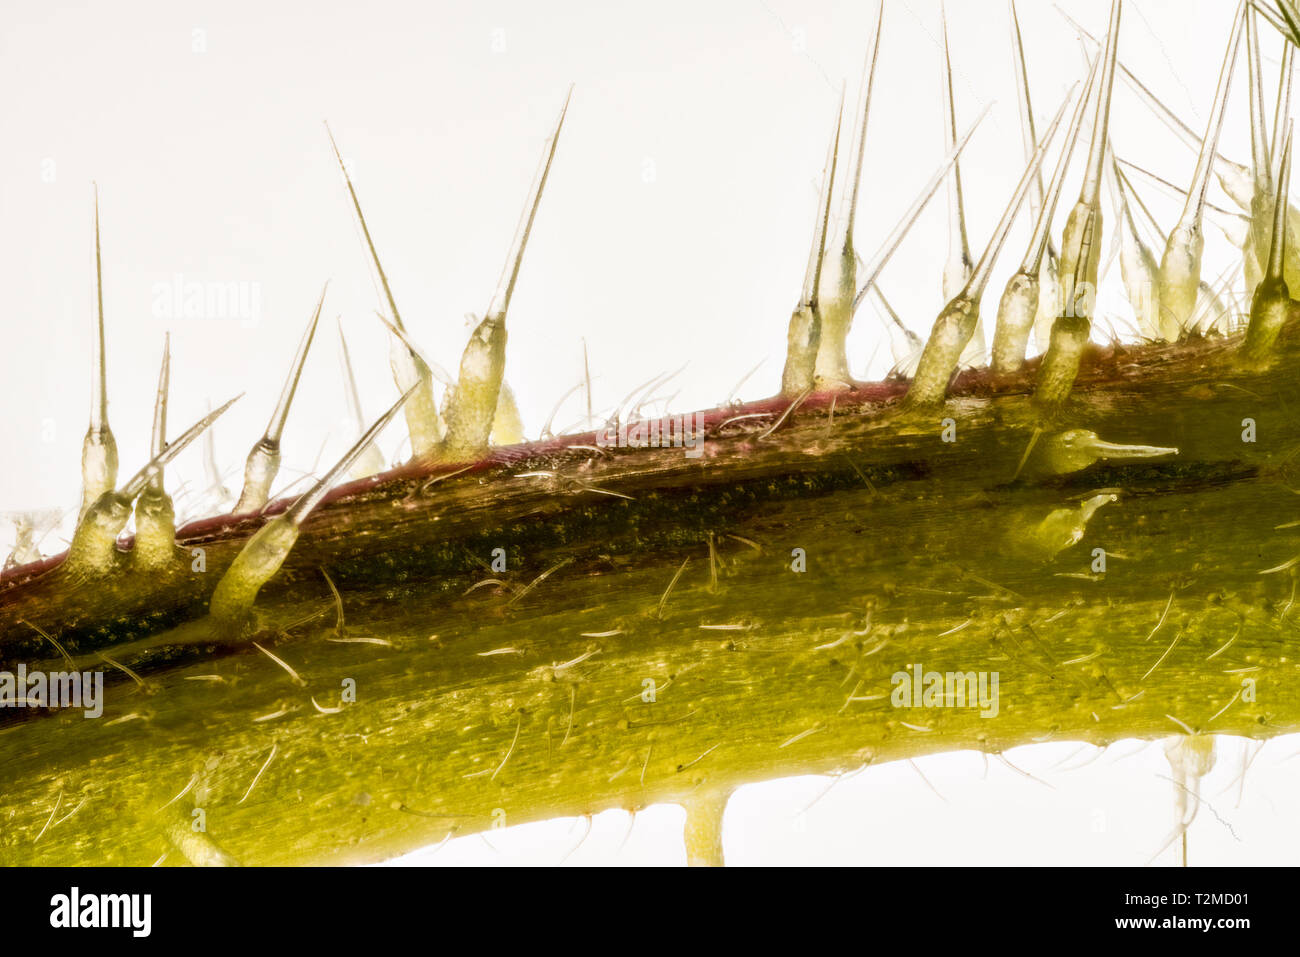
{"x":94,"y":543}
{"x":231,"y":605}
{"x":371,"y":460}
{"x":959,"y":264}
{"x":1028,"y":133}
{"x":264,"y":459}
{"x":1236,"y":179}
{"x":422,"y":411}
{"x":99,"y":450}
{"x":1137,"y":262}
{"x":1180,"y":267}
{"x":959,"y":318}
{"x":876,"y":265}
{"x":155,"y":516}
{"x":1235,"y":226}
{"x":1026,"y":297}
{"x":1272,"y":305}
{"x":1081,"y":246}
{"x":803,"y":337}
{"x":471,"y":407}
{"x":839,"y":274}
{"x":1047,"y":292}
{"x":957,"y":270}
{"x":1282,"y":110}
{"x":1261,"y":205}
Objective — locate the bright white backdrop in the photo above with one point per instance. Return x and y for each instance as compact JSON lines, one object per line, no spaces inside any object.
{"x":674,"y":230}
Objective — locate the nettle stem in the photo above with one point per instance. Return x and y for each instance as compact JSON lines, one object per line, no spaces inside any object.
{"x":560,"y":629}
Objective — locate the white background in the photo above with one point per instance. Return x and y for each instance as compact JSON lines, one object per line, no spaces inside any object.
{"x":674,"y":230}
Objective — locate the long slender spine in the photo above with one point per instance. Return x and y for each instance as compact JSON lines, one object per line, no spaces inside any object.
{"x":1026,"y":296}
{"x":1272,"y":305}
{"x":957,"y":270}
{"x":94,"y":543}
{"x":264,"y":459}
{"x":876,"y":265}
{"x":1286,"y":19}
{"x":1282,"y":109}
{"x":1236,"y":228}
{"x":1137,"y":262}
{"x":959,"y":264}
{"x":158,"y":436}
{"x":907,"y":353}
{"x":1261,"y":204}
{"x":1028,"y":133}
{"x":1088,"y":205}
{"x":422,"y":411}
{"x":1180,"y":267}
{"x":155,"y":516}
{"x":958,"y":320}
{"x":839,"y":275}
{"x":231,"y":605}
{"x":472,"y":406}
{"x":371,"y":460}
{"x":803,"y":336}
{"x":1046,"y":281}
{"x":99,"y":450}
{"x":1236,"y":179}
{"x":1282,"y":113}
{"x":1259,"y":142}
{"x":1081,"y":247}
{"x":1235,"y":225}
